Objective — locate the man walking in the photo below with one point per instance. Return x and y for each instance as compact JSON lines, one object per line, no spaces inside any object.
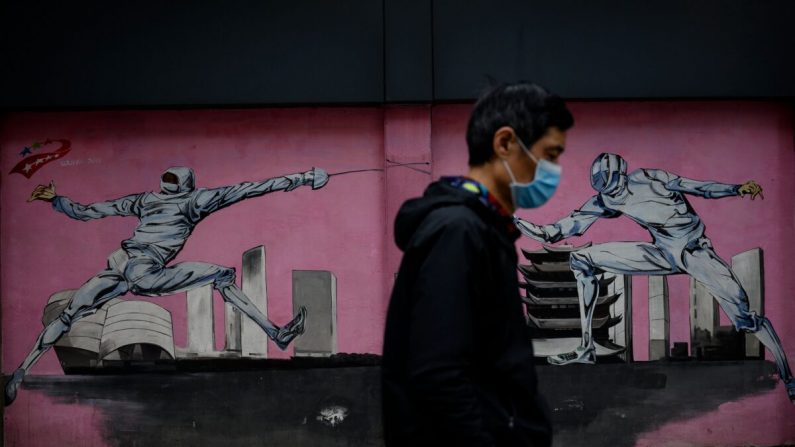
{"x":458,"y":365}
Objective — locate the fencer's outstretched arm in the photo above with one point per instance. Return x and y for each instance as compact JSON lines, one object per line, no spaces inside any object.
{"x":211,"y":200}
{"x":575,"y":224}
{"x":706,"y":189}
{"x":125,"y":206}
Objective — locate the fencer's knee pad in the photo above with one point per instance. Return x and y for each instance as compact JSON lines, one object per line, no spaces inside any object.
{"x":581,"y":262}
{"x":66,"y":319}
{"x":54,"y":331}
{"x":225,"y":278}
{"x":751,"y":322}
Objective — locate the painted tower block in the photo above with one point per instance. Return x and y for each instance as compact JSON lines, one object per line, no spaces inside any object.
{"x":317,"y":291}
{"x":233,"y":324}
{"x":704,"y":317}
{"x":254,"y":341}
{"x":659,"y":319}
{"x":749,"y":268}
{"x":201,"y":333}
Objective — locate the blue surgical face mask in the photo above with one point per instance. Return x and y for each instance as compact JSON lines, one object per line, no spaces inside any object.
{"x":543,"y":186}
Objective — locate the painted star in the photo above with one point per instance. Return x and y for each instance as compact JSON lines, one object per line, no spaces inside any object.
{"x":27,"y":167}
{"x":36,"y":145}
{"x":25,"y":151}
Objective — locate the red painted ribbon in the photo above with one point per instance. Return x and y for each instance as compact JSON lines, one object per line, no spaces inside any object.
{"x":33,"y":163}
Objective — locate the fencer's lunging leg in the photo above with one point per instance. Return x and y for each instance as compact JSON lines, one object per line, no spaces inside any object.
{"x":281,"y":336}
{"x":233,"y":295}
{"x":588,"y":291}
{"x":614,"y":257}
{"x":767,"y":335}
{"x":91,"y":296}
{"x":703,"y":264}
{"x":48,"y":337}
{"x":159,"y":280}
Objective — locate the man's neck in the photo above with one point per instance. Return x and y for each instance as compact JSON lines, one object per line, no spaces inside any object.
{"x":486,"y":177}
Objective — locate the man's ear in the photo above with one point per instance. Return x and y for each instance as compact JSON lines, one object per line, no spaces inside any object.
{"x":501,"y":142}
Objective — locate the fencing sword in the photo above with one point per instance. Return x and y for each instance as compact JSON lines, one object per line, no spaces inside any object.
{"x":320,"y":178}
{"x":393,"y":164}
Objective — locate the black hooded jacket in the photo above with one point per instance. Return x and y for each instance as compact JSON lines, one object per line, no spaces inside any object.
{"x":458,"y":363}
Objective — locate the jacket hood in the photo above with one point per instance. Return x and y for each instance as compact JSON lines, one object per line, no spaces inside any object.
{"x":438,"y":195}
{"x":186,"y":181}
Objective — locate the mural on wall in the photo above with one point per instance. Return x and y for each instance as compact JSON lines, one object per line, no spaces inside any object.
{"x":33,"y":162}
{"x":189,"y":369}
{"x":165,"y":221}
{"x":654,"y":199}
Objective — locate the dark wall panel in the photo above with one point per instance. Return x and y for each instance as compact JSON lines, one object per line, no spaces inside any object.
{"x":101,"y":53}
{"x":257,"y":52}
{"x":408,"y":51}
{"x":618,"y":48}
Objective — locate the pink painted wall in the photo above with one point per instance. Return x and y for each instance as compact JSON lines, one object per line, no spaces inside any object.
{"x":407,"y":139}
{"x":346,"y":227}
{"x":38,"y":420}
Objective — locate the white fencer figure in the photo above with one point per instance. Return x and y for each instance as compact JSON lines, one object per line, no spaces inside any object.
{"x":165,"y":221}
{"x":655,"y":200}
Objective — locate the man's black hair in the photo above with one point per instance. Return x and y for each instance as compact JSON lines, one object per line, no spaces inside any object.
{"x":526,"y":107}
